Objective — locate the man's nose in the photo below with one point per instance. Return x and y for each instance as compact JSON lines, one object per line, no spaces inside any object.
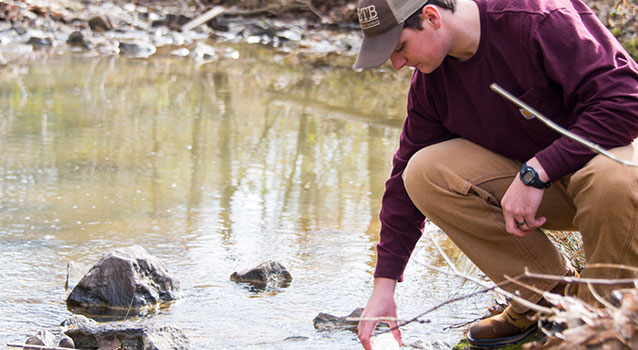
{"x":398,"y":62}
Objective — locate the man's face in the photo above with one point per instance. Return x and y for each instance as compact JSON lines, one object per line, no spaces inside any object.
{"x":422,"y":49}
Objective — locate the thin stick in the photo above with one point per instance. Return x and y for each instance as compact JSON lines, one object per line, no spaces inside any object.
{"x":445,"y":257}
{"x":512,"y":296}
{"x":525,"y":285}
{"x":377,"y":319}
{"x":570,"y":279}
{"x":38,"y":347}
{"x":600,"y":299}
{"x":592,"y":146}
{"x":207,"y":16}
{"x":614,"y":266}
{"x":417,"y":317}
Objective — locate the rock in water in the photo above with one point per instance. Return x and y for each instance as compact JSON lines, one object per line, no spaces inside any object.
{"x":125,"y":278}
{"x":324,"y":322}
{"x":127,"y":335}
{"x":268,"y":274}
{"x":42,"y":338}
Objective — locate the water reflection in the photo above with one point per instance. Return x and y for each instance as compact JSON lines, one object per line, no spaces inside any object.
{"x":214,"y":168}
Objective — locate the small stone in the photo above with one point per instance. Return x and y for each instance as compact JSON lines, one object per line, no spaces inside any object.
{"x":76,"y":39}
{"x":36,"y":41}
{"x":42,"y":338}
{"x":100,"y":24}
{"x":324,"y":322}
{"x":268,"y":274}
{"x":66,"y":342}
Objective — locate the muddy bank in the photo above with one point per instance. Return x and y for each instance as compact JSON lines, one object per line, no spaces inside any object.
{"x":138,"y":29}
{"x":325,"y":31}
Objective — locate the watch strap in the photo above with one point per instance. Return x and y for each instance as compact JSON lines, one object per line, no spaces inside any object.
{"x":534,"y":180}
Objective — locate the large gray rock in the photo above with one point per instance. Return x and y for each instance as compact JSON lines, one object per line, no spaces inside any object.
{"x":127,"y":335}
{"x":270,"y":274}
{"x":125,"y":279}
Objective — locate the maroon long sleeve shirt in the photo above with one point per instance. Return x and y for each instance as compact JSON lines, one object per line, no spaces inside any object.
{"x":556,"y":56}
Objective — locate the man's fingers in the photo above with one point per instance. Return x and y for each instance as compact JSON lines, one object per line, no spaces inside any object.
{"x":531,"y":223}
{"x":365,"y":329}
{"x":522,"y":227}
{"x":396,"y":332}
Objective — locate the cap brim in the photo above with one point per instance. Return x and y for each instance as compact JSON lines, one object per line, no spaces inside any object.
{"x":375,"y":50}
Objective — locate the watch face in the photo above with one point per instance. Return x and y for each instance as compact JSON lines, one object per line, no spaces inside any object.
{"x":528,"y":176}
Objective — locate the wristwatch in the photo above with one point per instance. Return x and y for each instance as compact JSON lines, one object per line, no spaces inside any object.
{"x":529,"y":176}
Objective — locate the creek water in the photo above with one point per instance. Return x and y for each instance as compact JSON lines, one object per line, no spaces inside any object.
{"x":212,"y":167}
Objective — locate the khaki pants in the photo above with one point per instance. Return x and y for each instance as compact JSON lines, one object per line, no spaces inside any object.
{"x":458,"y":185}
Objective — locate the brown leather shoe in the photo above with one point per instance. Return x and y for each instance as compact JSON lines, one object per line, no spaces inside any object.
{"x":508,"y":327}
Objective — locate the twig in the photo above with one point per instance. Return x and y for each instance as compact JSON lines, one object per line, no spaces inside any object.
{"x":592,"y":146}
{"x":445,"y":257}
{"x":525,"y":285}
{"x":417,"y":317}
{"x":377,"y":319}
{"x":570,"y":279}
{"x":129,"y":306}
{"x":449,"y":301}
{"x":497,"y":289}
{"x":38,"y":347}
{"x":207,"y":16}
{"x":600,"y":299}
{"x":614,"y":266}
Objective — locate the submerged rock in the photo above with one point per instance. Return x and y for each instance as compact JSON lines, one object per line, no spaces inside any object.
{"x":51,"y":339}
{"x":264,"y":275}
{"x":42,"y":338}
{"x":76,"y":320}
{"x":128,"y":279}
{"x":137,"y":49}
{"x":324,"y":322}
{"x":76,"y":39}
{"x":39,"y":41}
{"x":127,"y":335}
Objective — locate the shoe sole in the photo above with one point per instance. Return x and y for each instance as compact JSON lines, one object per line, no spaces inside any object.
{"x":500,"y":342}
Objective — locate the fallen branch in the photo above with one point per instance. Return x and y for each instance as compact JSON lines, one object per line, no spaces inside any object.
{"x":207,"y":16}
{"x":592,"y":146}
{"x":37,"y":347}
{"x":572,"y":279}
{"x":497,"y":289}
{"x":614,"y":266}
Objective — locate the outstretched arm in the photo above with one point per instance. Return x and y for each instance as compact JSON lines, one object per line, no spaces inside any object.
{"x":380,"y":304}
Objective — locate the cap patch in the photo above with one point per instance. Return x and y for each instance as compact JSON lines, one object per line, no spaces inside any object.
{"x":368,"y":17}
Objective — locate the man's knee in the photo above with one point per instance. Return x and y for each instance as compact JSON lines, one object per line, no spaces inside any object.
{"x":605,"y":183}
{"x":432,"y":163}
{"x":431,"y":175}
{"x":416,"y":176}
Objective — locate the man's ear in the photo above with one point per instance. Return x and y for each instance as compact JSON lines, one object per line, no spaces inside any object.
{"x":431,"y":16}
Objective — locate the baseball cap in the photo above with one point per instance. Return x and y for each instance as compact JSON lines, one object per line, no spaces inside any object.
{"x":381,"y":22}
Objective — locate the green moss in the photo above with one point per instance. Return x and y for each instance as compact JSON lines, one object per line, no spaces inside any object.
{"x":632,"y":47}
{"x":464,"y":344}
{"x":617,"y":32}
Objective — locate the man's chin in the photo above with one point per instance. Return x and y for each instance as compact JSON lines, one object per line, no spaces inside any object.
{"x":423,"y":69}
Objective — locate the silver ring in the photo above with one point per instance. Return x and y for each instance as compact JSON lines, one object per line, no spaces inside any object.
{"x":519,"y":224}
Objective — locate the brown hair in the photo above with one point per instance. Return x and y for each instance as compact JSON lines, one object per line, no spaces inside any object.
{"x":414,"y":21}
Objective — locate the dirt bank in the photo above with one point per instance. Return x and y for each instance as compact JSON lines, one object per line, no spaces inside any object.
{"x":35,"y":28}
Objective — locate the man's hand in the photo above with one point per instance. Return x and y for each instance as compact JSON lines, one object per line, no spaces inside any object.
{"x":380,"y":304}
{"x":521,"y":202}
